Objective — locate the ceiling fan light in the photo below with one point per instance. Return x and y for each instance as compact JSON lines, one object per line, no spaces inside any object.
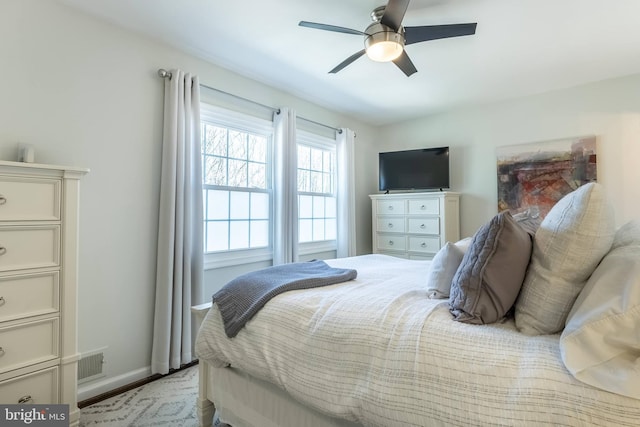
{"x":384,"y":46}
{"x":384,"y":51}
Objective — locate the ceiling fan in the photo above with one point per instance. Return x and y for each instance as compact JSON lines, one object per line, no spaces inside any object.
{"x":385,"y":38}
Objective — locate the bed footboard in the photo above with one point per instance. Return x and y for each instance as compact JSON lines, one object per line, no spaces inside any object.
{"x":205,"y":407}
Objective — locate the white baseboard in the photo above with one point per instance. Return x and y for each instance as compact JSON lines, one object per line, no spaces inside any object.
{"x":95,"y":388}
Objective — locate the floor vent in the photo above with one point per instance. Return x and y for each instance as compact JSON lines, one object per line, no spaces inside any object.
{"x":90,"y":367}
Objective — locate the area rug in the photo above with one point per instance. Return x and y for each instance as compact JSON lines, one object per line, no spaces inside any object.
{"x":169,"y":401}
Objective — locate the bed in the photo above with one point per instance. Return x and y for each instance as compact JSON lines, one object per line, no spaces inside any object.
{"x":377,"y":351}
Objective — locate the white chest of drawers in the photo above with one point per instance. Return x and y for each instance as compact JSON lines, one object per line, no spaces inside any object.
{"x":414,"y":225}
{"x":38,"y":284}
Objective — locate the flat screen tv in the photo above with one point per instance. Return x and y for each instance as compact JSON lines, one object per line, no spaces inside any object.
{"x":423,"y":169}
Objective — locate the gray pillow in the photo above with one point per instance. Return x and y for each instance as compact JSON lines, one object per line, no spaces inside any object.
{"x":487,"y":283}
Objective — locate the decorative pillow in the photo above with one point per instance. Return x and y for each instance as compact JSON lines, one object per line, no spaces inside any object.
{"x":443,"y":268}
{"x":600,"y":344}
{"x":627,"y":235}
{"x":572,"y":239}
{"x":464,"y":244}
{"x":530,"y":220}
{"x":491,"y":273}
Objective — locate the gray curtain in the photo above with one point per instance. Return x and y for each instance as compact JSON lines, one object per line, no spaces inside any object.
{"x":180,"y":272}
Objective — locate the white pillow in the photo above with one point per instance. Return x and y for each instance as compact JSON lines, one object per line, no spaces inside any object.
{"x":464,"y":244}
{"x":570,"y":242}
{"x":443,"y":267}
{"x":600,"y":344}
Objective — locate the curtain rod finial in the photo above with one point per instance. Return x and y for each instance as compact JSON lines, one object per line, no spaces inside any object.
{"x":164,"y":73}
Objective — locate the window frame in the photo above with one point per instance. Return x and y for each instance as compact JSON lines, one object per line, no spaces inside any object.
{"x":218,"y":116}
{"x":324,"y":143}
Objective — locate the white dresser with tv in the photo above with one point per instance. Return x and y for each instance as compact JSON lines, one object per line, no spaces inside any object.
{"x":414,"y":225}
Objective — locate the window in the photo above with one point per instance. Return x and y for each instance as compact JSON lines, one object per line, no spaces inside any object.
{"x":316,"y":189}
{"x":236,"y":155}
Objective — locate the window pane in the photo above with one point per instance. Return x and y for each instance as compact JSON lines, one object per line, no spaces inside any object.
{"x":304,"y":157}
{"x":215,"y":171}
{"x":318,"y":207}
{"x":217,"y":236}
{"x":305,"y":207}
{"x":326,"y":183}
{"x":237,"y":173}
{"x":257,"y":148}
{"x":215,"y":140}
{"x":238,"y":145}
{"x":259,"y":206}
{"x":257,"y":175}
{"x":327,"y":164}
{"x":305,"y":233}
{"x":217,"y":204}
{"x":303,"y":180}
{"x":316,"y":159}
{"x":239,"y":205}
{"x":315,"y":185}
{"x":259,"y":234}
{"x":318,"y":229}
{"x":330,"y":207}
{"x":330,"y":229}
{"x":239,"y":235}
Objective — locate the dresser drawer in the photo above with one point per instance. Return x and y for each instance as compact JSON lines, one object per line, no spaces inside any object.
{"x":391,"y":224}
{"x":36,"y":388}
{"x":424,"y":225}
{"x":424,"y":244}
{"x":424,"y":207}
{"x":391,"y":207}
{"x":27,"y":343}
{"x":394,"y":243}
{"x":25,"y":199}
{"x":29,"y":247}
{"x":29,"y":295}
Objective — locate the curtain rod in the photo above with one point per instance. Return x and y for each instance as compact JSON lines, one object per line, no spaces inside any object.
{"x":167,"y":74}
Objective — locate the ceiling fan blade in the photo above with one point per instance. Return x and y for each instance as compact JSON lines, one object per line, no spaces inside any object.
{"x":393,"y":13}
{"x":333,"y":28}
{"x":347,"y":61}
{"x":433,"y":32}
{"x":404,"y":63}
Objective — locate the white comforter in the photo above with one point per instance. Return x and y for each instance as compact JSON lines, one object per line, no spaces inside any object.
{"x":376,"y":351}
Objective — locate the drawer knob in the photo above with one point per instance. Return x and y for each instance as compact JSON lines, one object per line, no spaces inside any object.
{"x":423,"y":207}
{"x":25,"y":399}
{"x":423,"y":226}
{"x":2,"y":300}
{"x":390,"y":242}
{"x":423,"y":244}
{"x":3,"y":250}
{"x":3,"y":199}
{"x":390,"y":208}
{"x":390,"y":225}
{"x":1,"y":351}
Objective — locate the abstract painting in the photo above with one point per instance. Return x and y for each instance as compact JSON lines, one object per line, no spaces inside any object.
{"x":533,"y":177}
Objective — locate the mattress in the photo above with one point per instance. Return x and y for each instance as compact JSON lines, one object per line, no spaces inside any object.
{"x":377,"y":352}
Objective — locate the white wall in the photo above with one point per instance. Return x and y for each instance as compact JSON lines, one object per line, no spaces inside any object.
{"x":610,"y":110}
{"x":86,"y":93}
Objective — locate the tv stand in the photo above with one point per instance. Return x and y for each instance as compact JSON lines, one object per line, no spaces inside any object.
{"x":414,"y":225}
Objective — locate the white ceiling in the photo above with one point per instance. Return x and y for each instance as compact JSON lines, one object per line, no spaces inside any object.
{"x":521,"y":47}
